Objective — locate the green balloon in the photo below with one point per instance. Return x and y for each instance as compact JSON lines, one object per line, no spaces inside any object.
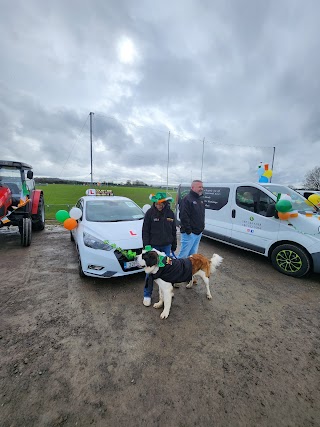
{"x":62,"y":215}
{"x":284,"y":206}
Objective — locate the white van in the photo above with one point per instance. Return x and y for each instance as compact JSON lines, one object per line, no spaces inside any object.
{"x":306,"y":193}
{"x":244,"y":215}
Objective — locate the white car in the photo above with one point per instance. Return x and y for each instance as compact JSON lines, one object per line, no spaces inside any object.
{"x":108,"y":234}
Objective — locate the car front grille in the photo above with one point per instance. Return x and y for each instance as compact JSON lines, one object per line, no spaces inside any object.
{"x":122,"y":259}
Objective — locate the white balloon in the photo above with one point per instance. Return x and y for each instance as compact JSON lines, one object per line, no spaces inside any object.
{"x":286,"y":197}
{"x":145,"y":208}
{"x":75,"y":213}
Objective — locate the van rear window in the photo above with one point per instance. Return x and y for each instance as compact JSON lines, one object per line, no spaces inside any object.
{"x":215,"y":198}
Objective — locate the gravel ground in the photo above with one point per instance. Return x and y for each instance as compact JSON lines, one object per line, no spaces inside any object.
{"x":82,"y":352}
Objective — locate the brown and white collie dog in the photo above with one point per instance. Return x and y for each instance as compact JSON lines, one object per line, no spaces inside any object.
{"x":165,"y":271}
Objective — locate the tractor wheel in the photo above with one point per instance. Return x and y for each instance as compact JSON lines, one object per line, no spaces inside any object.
{"x":38,"y":220}
{"x":291,"y":260}
{"x":26,"y":232}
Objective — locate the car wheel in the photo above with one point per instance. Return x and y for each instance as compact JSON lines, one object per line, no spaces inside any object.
{"x":291,"y":260}
{"x":81,"y":273}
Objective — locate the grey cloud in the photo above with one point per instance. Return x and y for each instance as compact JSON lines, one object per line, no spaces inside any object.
{"x":241,"y":74}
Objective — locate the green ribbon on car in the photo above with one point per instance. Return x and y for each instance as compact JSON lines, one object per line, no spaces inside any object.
{"x":130,"y":255}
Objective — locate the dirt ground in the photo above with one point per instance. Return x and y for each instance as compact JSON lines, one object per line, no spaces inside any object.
{"x":82,"y":352}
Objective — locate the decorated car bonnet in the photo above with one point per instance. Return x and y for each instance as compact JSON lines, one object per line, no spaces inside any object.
{"x":70,"y":222}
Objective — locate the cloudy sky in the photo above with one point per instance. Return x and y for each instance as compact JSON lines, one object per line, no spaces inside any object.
{"x":228,"y":79}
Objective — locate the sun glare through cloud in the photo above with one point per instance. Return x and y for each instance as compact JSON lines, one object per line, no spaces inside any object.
{"x":126,"y":51}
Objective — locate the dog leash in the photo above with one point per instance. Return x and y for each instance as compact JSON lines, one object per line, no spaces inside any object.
{"x":173,"y":255}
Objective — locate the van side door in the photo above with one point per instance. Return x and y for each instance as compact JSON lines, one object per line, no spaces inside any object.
{"x":218,"y":204}
{"x":254,"y":225}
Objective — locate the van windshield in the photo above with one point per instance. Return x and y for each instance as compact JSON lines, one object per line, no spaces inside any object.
{"x":299,"y":203}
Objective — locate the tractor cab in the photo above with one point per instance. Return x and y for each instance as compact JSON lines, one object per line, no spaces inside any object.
{"x":21,"y":204}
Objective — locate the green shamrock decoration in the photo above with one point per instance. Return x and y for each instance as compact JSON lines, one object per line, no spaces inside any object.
{"x":130,"y":255}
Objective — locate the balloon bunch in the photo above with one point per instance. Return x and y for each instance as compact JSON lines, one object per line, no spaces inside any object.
{"x":314,"y":200}
{"x":69,"y":219}
{"x":264,"y":172}
{"x":284,"y":207}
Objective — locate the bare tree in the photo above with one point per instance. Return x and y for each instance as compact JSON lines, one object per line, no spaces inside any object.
{"x":312,"y":179}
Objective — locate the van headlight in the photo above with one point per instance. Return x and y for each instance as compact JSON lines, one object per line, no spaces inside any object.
{"x":94,"y":243}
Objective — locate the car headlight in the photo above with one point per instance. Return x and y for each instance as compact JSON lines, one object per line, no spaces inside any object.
{"x":94,"y":243}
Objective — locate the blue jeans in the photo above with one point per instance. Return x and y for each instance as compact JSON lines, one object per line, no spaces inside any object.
{"x":189,"y":244}
{"x":148,"y":287}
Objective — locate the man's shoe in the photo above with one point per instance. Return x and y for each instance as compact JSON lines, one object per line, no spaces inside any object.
{"x":147,"y":301}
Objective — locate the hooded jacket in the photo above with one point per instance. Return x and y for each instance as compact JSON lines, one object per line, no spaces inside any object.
{"x":192,"y":213}
{"x":159,"y":227}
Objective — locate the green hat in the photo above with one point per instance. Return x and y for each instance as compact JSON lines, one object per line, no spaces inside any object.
{"x":159,"y":198}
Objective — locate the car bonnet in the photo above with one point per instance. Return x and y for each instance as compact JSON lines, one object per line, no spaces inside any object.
{"x":125,"y":234}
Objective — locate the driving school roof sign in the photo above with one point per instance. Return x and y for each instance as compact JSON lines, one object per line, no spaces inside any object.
{"x":93,"y":192}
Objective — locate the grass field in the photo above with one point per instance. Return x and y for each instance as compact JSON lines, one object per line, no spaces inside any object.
{"x":64,"y":196}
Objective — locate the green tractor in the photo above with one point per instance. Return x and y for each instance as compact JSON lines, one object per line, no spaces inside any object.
{"x":21,"y":204}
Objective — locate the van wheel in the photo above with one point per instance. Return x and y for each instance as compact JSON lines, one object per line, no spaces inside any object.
{"x":291,"y":260}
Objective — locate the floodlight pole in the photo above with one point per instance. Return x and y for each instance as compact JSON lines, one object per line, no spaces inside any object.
{"x":274,"y":151}
{"x":168,"y":161}
{"x":91,"y":114}
{"x":202,"y":157}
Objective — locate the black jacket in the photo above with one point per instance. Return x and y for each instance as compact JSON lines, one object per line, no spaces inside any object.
{"x":174,"y":271}
{"x":159,"y":228}
{"x":192,"y":213}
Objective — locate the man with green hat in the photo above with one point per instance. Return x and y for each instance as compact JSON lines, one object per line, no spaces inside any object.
{"x":158,"y":231}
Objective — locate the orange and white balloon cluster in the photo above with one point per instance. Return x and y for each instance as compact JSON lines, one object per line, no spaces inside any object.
{"x":284,"y":207}
{"x":69,"y":219}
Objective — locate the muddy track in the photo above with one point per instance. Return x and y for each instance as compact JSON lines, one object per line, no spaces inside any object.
{"x":81,"y":352}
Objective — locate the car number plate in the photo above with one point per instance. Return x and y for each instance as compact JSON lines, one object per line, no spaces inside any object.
{"x":130,"y":264}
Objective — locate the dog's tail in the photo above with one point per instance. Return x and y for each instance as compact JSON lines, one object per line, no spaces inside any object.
{"x":215,"y":261}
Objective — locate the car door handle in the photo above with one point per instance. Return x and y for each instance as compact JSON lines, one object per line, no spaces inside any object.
{"x":233,"y":213}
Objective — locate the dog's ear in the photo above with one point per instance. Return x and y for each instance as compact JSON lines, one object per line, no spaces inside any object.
{"x":150,"y":258}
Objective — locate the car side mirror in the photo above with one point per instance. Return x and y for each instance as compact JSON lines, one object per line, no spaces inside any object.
{"x":271,"y":211}
{"x":29,"y":174}
{"x":145,"y":208}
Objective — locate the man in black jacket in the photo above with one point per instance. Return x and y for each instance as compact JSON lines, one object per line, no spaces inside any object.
{"x":192,"y":213}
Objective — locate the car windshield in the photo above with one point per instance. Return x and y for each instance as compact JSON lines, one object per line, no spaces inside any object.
{"x":112,"y":211}
{"x":299,"y":203}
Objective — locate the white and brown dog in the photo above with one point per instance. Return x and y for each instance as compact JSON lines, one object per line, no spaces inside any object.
{"x":165,"y":271}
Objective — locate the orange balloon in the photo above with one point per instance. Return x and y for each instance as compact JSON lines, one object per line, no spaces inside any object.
{"x":284,"y":215}
{"x":294,"y":214}
{"x":70,"y":223}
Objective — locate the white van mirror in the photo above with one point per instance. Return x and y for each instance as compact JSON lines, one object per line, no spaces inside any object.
{"x":271,"y":210}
